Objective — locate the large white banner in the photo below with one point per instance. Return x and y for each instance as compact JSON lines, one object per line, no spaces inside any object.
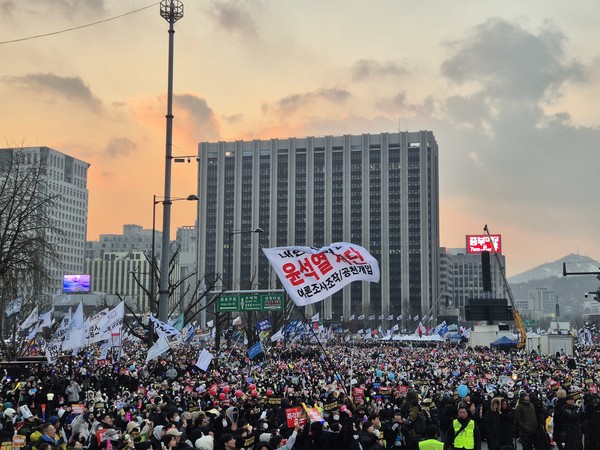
{"x":310,"y":275}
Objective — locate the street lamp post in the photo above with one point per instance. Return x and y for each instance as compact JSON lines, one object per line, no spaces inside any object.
{"x":171,"y":11}
{"x":191,"y":197}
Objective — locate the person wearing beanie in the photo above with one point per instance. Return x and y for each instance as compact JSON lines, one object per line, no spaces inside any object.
{"x":526,"y":420}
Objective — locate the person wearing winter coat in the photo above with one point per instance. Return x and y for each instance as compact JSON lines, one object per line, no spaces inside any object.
{"x":464,"y":432}
{"x":558,"y":433}
{"x":491,"y":425}
{"x":592,"y":415}
{"x":507,"y":420}
{"x":7,"y":422}
{"x":572,"y":415}
{"x":526,"y":420}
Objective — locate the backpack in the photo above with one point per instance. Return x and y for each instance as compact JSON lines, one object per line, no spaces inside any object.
{"x":420,"y":424}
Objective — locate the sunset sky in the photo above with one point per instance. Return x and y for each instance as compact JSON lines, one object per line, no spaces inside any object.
{"x":510,"y":89}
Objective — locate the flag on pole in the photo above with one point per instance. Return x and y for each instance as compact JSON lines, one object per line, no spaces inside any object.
{"x":352,"y":317}
{"x":372,"y":317}
{"x":204,"y":359}
{"x":255,"y":350}
{"x":361,"y":317}
{"x":45,"y":319}
{"x":390,"y":317}
{"x":163,"y":329}
{"x":31,"y":320}
{"x":14,"y":306}
{"x":381,"y":317}
{"x":210,"y":323}
{"x":264,"y":325}
{"x":237,"y":321}
{"x":159,"y":347}
{"x":75,"y":334}
{"x":278,"y":336}
{"x":334,"y":267}
{"x":416,"y":318}
{"x":315,"y":318}
{"x":399,"y":317}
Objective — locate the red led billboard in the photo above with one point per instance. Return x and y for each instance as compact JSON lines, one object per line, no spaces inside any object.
{"x":477,"y":243}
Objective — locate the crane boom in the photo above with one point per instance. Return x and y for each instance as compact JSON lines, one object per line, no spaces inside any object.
{"x":519,"y":326}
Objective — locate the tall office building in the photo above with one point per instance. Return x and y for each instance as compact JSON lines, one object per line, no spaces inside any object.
{"x":378,"y":191}
{"x":65,"y":177}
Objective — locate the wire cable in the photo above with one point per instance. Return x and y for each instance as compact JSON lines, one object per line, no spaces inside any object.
{"x":79,"y":27}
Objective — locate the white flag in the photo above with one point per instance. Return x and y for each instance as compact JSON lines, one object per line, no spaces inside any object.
{"x":162,"y":329}
{"x":361,"y":317}
{"x":46,"y":319}
{"x":31,"y":320}
{"x":390,"y":317}
{"x":333,"y":267}
{"x":315,"y":318}
{"x":204,"y":359}
{"x":210,"y":323}
{"x":352,"y":317}
{"x":75,"y":335}
{"x":101,"y":328}
{"x":237,"y":321}
{"x":14,"y":306}
{"x":159,"y":347}
{"x":34,"y":331}
{"x":416,"y":318}
{"x":278,"y":336}
{"x":399,"y":317}
{"x":395,"y":327}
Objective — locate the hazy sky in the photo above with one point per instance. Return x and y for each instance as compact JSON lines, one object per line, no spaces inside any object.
{"x":510,"y":89}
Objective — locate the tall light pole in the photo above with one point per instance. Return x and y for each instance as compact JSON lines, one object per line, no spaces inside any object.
{"x":156,"y":200}
{"x":171,"y":11}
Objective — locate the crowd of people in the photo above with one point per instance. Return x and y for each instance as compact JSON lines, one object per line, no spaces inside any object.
{"x":305,"y":396}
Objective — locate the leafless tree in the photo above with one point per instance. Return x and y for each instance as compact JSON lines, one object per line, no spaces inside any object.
{"x":28,"y":234}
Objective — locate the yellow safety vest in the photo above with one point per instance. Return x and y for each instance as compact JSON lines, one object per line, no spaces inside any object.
{"x":431,"y":444}
{"x":466,"y":438}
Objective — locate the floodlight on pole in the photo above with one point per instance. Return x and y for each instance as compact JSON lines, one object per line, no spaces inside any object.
{"x":171,"y":11}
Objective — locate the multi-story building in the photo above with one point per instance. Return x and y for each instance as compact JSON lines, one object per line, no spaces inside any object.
{"x":379,"y":191}
{"x":134,"y":238}
{"x":468,"y":280}
{"x":542,"y":301}
{"x":120,"y":264}
{"x":66,"y":178}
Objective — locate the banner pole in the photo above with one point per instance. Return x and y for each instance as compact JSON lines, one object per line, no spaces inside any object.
{"x":334,"y":367}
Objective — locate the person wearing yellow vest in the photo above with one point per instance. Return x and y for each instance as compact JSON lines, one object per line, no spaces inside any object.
{"x":464,"y":432}
{"x":431,"y":442}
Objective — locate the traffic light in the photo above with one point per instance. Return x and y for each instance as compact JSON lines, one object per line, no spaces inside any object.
{"x":486,"y":273}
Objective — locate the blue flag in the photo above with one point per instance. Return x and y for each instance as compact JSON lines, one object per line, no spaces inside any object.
{"x":264,"y":325}
{"x":255,"y":350}
{"x":291,"y":326}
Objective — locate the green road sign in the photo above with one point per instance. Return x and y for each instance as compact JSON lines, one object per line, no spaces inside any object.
{"x":529,"y":323}
{"x":251,"y":301}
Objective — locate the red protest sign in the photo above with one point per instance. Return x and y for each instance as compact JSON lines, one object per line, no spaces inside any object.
{"x":294,"y":415}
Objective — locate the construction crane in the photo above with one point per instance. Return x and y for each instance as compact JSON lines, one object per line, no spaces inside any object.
{"x":522,"y":341}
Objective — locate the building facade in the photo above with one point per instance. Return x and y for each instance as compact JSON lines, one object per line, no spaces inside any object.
{"x":379,"y":191}
{"x":133,"y":238}
{"x":120,"y":264}
{"x":66,"y":178}
{"x":468,"y":280}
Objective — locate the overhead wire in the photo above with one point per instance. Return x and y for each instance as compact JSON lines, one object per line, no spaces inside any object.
{"x":78,"y":27}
